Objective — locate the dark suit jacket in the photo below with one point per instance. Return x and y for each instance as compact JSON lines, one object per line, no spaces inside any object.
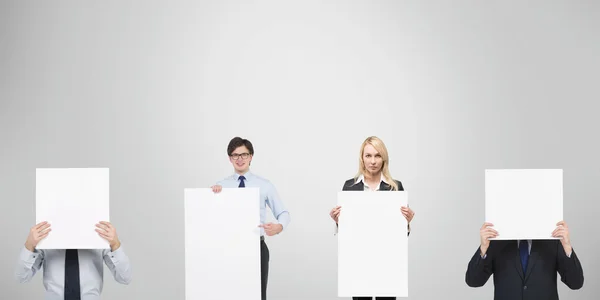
{"x":547,"y":257}
{"x":350,"y":186}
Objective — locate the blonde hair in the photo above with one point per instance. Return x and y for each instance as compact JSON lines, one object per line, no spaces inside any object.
{"x":378,"y":144}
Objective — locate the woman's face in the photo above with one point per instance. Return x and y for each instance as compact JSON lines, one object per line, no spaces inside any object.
{"x":372,"y":160}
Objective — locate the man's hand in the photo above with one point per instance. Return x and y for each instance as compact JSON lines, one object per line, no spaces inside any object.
{"x":485,"y":233}
{"x":562,"y":231}
{"x":216,"y":188}
{"x":108,"y":232}
{"x":271,"y":228}
{"x":36,"y":234}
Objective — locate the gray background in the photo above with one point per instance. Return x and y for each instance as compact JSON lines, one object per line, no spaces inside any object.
{"x":154,"y":91}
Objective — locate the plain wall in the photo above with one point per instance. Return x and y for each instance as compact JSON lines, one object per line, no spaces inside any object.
{"x":155,"y":91}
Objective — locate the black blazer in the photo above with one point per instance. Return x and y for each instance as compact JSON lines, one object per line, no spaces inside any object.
{"x":350,"y":186}
{"x":547,"y":257}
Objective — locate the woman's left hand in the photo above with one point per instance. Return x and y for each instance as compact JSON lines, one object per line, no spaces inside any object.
{"x":408,"y":213}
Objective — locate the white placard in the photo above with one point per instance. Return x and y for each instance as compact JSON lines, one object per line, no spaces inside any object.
{"x":372,"y":244}
{"x":524,"y":203}
{"x":222,"y":244}
{"x":73,"y":201}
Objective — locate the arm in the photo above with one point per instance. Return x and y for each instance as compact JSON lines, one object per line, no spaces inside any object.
{"x":569,"y":268}
{"x":335,"y":212}
{"x":406,"y":211}
{"x":118,"y":264}
{"x":115,"y":258}
{"x":276,"y":205}
{"x":567,"y":262}
{"x":479,"y":269}
{"x":481,"y":266}
{"x":28,"y":264}
{"x":31,"y":259}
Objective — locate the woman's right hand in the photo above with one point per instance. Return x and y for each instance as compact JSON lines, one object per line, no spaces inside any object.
{"x":335,"y":213}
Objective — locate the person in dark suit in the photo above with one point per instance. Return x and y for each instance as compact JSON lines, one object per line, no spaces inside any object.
{"x":373,"y":175}
{"x":525,"y":269}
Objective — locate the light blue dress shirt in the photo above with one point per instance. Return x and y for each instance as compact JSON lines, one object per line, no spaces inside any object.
{"x":91,"y":270}
{"x":268,"y":196}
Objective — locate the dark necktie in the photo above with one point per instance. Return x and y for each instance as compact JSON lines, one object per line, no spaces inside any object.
{"x":72,"y":288}
{"x":524,"y":251}
{"x":242,"y":184}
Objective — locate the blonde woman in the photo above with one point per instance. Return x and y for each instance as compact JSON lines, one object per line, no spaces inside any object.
{"x":373,"y":175}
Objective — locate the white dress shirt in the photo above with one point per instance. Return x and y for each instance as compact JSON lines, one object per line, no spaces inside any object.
{"x":91,"y":270}
{"x":367,"y":188}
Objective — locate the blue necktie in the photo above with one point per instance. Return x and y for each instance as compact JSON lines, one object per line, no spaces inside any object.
{"x":72,"y":288}
{"x":524,"y":251}
{"x":242,"y":178}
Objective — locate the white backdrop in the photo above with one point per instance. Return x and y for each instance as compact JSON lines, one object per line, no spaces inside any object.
{"x":155,"y":91}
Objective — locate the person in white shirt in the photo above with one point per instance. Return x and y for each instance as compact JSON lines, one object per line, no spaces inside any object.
{"x":72,"y":274}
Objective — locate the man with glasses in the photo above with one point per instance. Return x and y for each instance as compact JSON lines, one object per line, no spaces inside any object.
{"x":240,"y":152}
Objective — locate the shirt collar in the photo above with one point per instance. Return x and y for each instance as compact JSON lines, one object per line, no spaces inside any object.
{"x":362,"y":178}
{"x":246,"y":175}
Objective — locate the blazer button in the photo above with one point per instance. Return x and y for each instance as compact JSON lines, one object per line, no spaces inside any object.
{"x":525,"y":287}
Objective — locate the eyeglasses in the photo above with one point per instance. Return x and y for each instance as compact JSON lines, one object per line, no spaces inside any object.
{"x":236,"y":156}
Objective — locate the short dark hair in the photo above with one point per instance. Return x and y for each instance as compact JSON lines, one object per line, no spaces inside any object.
{"x":238,"y":142}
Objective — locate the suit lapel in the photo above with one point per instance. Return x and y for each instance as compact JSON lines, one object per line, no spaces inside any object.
{"x":384,"y":186}
{"x":533,"y":256}
{"x":357,"y":187}
{"x":517,"y":263}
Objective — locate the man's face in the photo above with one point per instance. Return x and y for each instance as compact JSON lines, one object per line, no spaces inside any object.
{"x":240,"y":158}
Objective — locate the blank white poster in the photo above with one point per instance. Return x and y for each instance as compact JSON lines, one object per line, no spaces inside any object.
{"x":73,"y":201}
{"x":372,"y":244}
{"x":524,"y":203}
{"x":222,"y":244}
